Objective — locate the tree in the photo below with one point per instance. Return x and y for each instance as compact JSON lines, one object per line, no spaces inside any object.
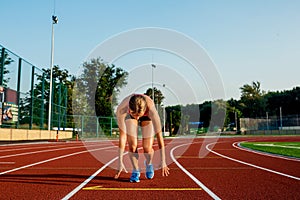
{"x":110,"y":82}
{"x":173,"y":119}
{"x":158,"y":96}
{"x":37,"y":100}
{"x":100,"y":84}
{"x":288,"y":100}
{"x":252,"y":100}
{"x":205,"y":113}
{"x":5,"y":61}
{"x":233,"y":113}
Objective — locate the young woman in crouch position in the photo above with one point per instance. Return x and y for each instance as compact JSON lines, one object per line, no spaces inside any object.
{"x":139,"y":110}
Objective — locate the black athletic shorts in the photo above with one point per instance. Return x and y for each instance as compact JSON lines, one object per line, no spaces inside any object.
{"x":141,"y":119}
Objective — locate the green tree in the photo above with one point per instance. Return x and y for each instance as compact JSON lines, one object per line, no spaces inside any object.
{"x":173,"y":119}
{"x":288,"y":100}
{"x":252,"y":101}
{"x":158,"y":96}
{"x":205,"y":113}
{"x":100,"y":83}
{"x":5,"y":61}
{"x":39,"y":101}
{"x":218,"y":114}
{"x":109,"y":86}
{"x":233,"y":114}
{"x":192,"y":110}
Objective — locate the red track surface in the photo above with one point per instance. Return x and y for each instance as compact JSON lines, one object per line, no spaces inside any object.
{"x":84,"y":170}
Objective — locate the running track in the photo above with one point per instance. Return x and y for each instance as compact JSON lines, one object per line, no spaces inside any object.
{"x":200,"y":168}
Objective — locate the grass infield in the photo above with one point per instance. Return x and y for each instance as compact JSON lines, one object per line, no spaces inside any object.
{"x":291,"y":149}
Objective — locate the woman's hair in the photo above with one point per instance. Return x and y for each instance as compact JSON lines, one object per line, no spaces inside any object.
{"x":137,"y":103}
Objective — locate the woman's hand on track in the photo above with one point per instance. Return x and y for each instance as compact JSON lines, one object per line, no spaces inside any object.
{"x":121,"y":168}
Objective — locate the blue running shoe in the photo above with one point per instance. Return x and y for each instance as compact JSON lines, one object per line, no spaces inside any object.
{"x":149,"y":171}
{"x":135,"y":176}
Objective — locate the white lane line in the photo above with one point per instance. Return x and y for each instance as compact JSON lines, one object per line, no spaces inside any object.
{"x":51,"y":159}
{"x":79,"y":187}
{"x":238,"y":146}
{"x":275,"y":145}
{"x":31,"y":148}
{"x":7,"y":163}
{"x":201,"y":185}
{"x":22,"y":144}
{"x":42,"y":151}
{"x":251,"y":165}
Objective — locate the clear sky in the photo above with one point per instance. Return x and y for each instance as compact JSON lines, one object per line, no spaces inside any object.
{"x":246,"y":40}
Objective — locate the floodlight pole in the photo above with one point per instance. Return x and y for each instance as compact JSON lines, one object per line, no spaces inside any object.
{"x":280,"y":115}
{"x":54,"y":21}
{"x":153,"y":66}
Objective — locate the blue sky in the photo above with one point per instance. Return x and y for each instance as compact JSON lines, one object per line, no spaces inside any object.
{"x":246,"y":40}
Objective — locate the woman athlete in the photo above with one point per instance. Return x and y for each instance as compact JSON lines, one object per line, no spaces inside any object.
{"x":139,"y":110}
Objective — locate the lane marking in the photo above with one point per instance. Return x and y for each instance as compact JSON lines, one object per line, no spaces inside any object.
{"x":7,"y":163}
{"x":62,"y":168}
{"x":140,"y":189}
{"x":238,"y":146}
{"x":79,"y":187}
{"x":42,"y":151}
{"x":44,"y":146}
{"x":249,"y":164}
{"x":217,"y":168}
{"x":51,"y":159}
{"x":201,"y":185}
{"x":198,"y":157}
{"x":275,"y":145}
{"x":21,"y":144}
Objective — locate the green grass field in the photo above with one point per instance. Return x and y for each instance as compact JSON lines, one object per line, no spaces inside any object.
{"x":291,"y":149}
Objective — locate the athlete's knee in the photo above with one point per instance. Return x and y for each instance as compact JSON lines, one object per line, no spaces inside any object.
{"x":133,"y":148}
{"x":148,"y":149}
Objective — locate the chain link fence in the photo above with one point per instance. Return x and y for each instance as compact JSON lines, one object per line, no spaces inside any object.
{"x":90,"y":127}
{"x":271,"y":125}
{"x":24,"y":93}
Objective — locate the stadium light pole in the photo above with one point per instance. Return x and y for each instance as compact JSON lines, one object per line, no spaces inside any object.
{"x":54,"y":21}
{"x":153,"y":66}
{"x":164,"y":116}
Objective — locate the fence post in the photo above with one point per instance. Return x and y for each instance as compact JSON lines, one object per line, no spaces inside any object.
{"x":2,"y":66}
{"x":111,"y":126}
{"x":32,"y":96}
{"x":82,"y":125}
{"x":66,"y":105}
{"x":1,"y":83}
{"x":59,"y":104}
{"x":42,"y":102}
{"x":97,"y":127}
{"x":18,"y":90}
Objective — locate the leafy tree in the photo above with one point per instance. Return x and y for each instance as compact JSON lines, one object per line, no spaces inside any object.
{"x":173,"y":119}
{"x":100,"y":84}
{"x":252,"y":100}
{"x":6,"y":61}
{"x":288,"y":100}
{"x":158,"y":96}
{"x":192,"y":110}
{"x":218,"y":114}
{"x":205,"y":113}
{"x":39,"y":101}
{"x":233,"y":113}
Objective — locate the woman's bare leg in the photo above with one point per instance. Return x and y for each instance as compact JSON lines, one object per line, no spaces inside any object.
{"x":131,"y":128}
{"x":148,"y":138}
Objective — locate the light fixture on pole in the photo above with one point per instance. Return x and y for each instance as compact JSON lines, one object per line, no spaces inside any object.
{"x":153,"y":66}
{"x":54,"y":21}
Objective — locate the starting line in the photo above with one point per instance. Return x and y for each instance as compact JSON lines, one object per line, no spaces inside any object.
{"x":140,"y":189}
{"x":7,"y":163}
